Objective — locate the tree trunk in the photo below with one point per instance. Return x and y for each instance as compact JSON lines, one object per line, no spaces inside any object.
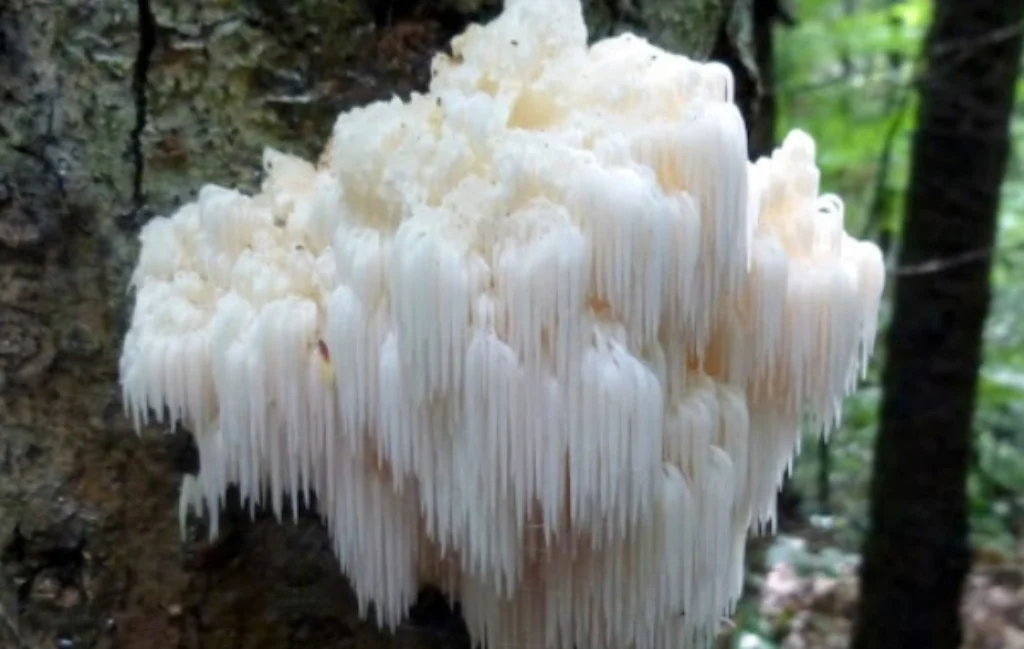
{"x":916,"y":555}
{"x":111,"y":112}
{"x":746,"y":44}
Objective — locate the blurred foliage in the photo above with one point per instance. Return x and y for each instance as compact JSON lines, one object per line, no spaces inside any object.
{"x":845,"y":73}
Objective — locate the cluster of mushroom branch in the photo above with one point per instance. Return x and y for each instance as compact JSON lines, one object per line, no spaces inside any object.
{"x":542,"y":336}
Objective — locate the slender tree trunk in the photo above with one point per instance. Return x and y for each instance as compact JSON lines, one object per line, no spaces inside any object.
{"x":767,"y":14}
{"x":746,"y":44}
{"x":916,"y":555}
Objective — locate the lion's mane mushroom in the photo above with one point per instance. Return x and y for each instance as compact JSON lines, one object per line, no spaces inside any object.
{"x":542,"y":336}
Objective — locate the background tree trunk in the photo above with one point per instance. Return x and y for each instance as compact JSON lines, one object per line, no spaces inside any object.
{"x":111,"y":112}
{"x":916,"y":553}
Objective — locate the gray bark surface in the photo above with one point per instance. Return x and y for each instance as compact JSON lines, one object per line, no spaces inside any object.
{"x":112,"y":112}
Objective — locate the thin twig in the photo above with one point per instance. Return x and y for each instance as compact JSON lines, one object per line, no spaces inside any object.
{"x":946,"y":263}
{"x":973,"y":44}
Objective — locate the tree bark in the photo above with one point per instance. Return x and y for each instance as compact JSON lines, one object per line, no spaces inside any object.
{"x":112,"y":112}
{"x":916,"y":554}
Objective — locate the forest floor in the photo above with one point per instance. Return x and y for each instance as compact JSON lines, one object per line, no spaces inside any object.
{"x":807,"y":600}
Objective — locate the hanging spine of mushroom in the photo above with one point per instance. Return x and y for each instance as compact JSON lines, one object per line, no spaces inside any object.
{"x":542,"y":336}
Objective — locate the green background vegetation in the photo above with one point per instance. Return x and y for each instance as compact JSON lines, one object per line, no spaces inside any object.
{"x":845,"y":73}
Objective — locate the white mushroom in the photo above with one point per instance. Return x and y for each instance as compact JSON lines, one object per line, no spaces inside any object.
{"x":542,"y":334}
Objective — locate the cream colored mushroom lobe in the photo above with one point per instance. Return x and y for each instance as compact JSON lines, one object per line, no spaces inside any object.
{"x":541,"y":335}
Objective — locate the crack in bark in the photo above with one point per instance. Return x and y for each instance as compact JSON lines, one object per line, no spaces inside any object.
{"x":46,"y":163}
{"x":147,"y":43}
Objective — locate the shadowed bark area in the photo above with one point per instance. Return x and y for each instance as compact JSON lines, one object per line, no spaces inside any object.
{"x":746,"y":43}
{"x":916,"y":554}
{"x":111,"y":112}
